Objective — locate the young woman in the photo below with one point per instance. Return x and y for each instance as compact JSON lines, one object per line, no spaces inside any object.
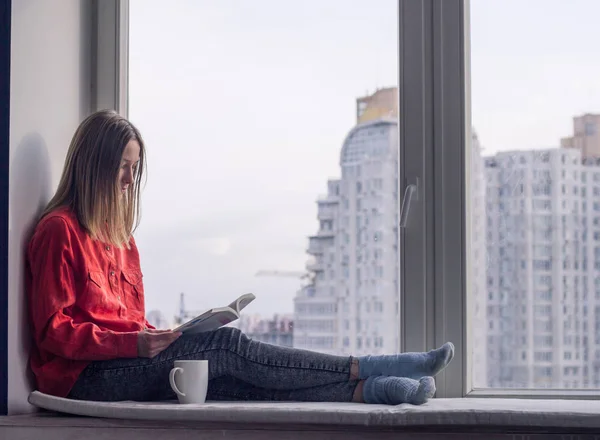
{"x":92,"y":340}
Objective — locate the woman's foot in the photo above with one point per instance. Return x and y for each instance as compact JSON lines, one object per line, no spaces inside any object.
{"x":396,"y":390}
{"x":410,"y":365}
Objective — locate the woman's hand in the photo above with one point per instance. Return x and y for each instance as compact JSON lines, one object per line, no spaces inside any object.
{"x":151,"y":342}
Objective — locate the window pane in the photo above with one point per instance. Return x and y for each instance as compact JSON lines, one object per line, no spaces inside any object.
{"x":250,"y":110}
{"x":535,"y":191}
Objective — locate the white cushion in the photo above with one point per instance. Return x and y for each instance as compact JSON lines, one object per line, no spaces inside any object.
{"x":441,"y":412}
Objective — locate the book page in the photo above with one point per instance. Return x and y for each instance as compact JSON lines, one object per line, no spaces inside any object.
{"x":217,"y":317}
{"x":240,"y":303}
{"x":211,"y":320}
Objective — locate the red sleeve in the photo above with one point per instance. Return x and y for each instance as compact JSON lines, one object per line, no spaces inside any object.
{"x":52,"y":293}
{"x":148,"y":325}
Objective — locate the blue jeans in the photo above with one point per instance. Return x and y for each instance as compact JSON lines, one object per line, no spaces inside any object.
{"x":239,"y":369}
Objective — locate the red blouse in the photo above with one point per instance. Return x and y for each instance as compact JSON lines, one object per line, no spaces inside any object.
{"x":86,"y":301}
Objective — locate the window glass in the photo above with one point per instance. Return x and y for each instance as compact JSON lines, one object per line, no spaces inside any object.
{"x":272,"y":140}
{"x":535,"y":109}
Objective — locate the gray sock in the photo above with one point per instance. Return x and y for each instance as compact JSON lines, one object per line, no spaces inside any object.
{"x":411,"y":365}
{"x":396,"y":390}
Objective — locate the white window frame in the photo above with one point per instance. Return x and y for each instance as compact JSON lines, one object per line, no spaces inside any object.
{"x":435,"y":134}
{"x":432,"y":130}
{"x":110,"y":56}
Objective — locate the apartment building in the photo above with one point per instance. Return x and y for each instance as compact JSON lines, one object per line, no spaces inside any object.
{"x":543,"y":272}
{"x":351,"y":307}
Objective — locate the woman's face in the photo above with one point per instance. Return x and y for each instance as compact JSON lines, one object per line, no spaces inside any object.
{"x":129,"y":164}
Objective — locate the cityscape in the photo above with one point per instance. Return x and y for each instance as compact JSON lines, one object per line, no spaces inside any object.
{"x":534,"y":249}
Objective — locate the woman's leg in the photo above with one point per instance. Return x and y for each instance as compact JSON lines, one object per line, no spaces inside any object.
{"x":264,"y":367}
{"x":228,"y":388}
{"x":100,"y":386}
{"x":230,"y":353}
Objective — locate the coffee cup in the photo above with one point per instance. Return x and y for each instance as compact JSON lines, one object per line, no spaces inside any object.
{"x":189,"y":380}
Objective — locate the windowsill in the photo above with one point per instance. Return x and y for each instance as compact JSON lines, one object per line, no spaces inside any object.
{"x":465,"y":412}
{"x":311,"y":421}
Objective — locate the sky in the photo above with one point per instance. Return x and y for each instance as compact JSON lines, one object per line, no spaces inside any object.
{"x":534,"y":65}
{"x":244,"y":106}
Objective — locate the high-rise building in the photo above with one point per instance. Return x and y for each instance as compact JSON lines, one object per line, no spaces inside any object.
{"x":543,"y":274}
{"x":316,"y":304}
{"x":586,"y":136}
{"x":352,"y":304}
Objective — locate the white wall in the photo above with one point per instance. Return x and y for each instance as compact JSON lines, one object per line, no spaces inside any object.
{"x":50,"y":95}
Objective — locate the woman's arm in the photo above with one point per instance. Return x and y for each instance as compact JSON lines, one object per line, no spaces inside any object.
{"x":52,"y":292}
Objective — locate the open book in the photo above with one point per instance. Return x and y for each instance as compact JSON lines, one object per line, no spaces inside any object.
{"x":214,"y":318}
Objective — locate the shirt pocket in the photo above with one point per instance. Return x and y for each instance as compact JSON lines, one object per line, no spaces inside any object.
{"x":96,"y":298}
{"x":134,"y":289}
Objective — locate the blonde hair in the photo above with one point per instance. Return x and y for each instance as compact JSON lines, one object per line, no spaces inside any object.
{"x":88,"y":185}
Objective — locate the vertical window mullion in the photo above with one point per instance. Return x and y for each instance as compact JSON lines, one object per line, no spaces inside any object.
{"x":432,"y":127}
{"x":448,"y":210}
{"x":415,"y":138}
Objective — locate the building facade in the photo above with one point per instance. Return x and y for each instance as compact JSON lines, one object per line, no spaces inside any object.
{"x":351,"y":306}
{"x":543,"y":274}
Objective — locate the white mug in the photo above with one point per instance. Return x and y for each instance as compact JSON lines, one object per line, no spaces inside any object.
{"x":192,"y":381}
